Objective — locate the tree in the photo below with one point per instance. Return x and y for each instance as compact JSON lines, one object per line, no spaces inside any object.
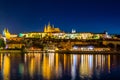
{"x":118,"y":47}
{"x":2,"y":43}
{"x":111,"y":46}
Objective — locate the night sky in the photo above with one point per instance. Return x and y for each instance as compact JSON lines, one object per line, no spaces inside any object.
{"x":82,"y":15}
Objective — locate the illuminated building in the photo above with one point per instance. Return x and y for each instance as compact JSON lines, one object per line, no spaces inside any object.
{"x":51,"y":29}
{"x":13,"y":35}
{"x":89,"y":48}
{"x":6,"y":33}
{"x":15,"y":39}
{"x":73,"y":31}
{"x":98,"y":35}
{"x":86,"y":35}
{"x":15,"y":42}
{"x":41,"y":35}
{"x":101,"y":35}
{"x":13,"y":45}
{"x":56,"y":33}
{"x":33,"y":35}
{"x":72,"y":36}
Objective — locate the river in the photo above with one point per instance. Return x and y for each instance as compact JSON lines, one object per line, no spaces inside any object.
{"x":55,"y":66}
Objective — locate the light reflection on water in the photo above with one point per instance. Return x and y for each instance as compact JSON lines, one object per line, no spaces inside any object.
{"x":54,"y":66}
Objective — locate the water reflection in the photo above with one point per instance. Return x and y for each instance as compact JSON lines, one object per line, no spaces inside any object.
{"x":35,"y":66}
{"x":6,"y":68}
{"x":73,"y":66}
{"x":86,"y":66}
{"x":1,"y":60}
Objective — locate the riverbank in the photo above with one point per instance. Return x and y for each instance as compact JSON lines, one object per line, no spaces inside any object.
{"x":89,"y":52}
{"x":10,"y":51}
{"x":60,"y":51}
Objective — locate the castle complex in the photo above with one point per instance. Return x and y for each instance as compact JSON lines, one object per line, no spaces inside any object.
{"x":52,"y":33}
{"x":56,"y":33}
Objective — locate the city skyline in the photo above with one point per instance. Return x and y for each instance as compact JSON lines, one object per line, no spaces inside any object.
{"x":83,"y":16}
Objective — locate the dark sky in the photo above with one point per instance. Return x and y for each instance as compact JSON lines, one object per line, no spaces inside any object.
{"x":82,"y":15}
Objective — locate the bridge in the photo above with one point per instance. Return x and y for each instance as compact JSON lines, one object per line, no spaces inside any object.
{"x":107,"y":42}
{"x":113,"y":43}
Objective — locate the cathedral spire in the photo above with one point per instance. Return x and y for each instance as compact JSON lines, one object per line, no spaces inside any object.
{"x":53,"y":26}
{"x":45,"y":29}
{"x":49,"y":23}
{"x":49,"y":27}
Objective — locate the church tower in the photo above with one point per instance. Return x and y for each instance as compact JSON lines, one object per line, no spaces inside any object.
{"x":6,"y":33}
{"x":49,"y":27}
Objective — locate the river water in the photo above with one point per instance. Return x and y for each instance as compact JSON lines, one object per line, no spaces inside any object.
{"x":55,"y":66}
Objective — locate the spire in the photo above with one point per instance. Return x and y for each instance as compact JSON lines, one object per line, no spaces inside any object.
{"x":53,"y":26}
{"x":49,"y":23}
{"x":73,"y":31}
{"x":45,"y":29}
{"x":7,"y":30}
{"x":48,"y":27}
{"x":4,"y":31}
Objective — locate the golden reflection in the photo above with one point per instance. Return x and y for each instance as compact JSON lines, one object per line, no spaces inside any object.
{"x":49,"y":65}
{"x":32,"y":67}
{"x":99,"y":61}
{"x":37,"y":61}
{"x":25,"y":63}
{"x":46,"y":67}
{"x":71,"y":58}
{"x":65,"y":61}
{"x":1,"y":60}
{"x":57,"y":64}
{"x":6,"y":68}
{"x":103,"y":62}
{"x":109,"y":63}
{"x":86,"y":66}
{"x":98,"y":64}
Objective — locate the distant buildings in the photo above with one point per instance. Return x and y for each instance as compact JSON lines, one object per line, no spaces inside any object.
{"x":56,"y":33}
{"x":14,"y":41}
{"x":7,"y":34}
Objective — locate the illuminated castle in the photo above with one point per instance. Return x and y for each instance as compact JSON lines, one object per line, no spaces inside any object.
{"x":51,"y":29}
{"x":6,"y":33}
